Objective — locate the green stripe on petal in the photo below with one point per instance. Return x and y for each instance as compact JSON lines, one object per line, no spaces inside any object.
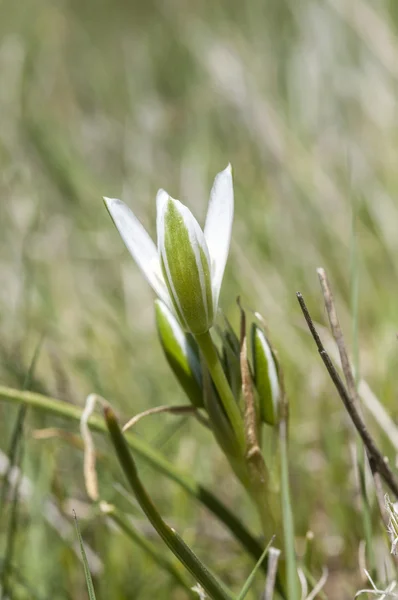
{"x":186,"y":266}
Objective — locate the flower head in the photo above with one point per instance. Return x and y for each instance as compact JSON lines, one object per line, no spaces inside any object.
{"x":187,"y":267}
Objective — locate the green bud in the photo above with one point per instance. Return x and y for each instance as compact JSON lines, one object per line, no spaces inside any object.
{"x":231,"y":357}
{"x":185,"y":264}
{"x":181,"y":353}
{"x":265,"y":377}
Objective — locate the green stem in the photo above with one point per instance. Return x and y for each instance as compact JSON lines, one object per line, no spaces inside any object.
{"x":58,"y":408}
{"x":230,"y":405}
{"x":198,"y":570}
{"x":288,"y":523}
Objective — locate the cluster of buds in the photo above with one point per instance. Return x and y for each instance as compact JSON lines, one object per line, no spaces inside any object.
{"x":186,"y":271}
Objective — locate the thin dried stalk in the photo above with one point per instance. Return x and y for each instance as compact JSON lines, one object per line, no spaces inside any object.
{"x":173,"y":410}
{"x":380,"y":463}
{"x":273,"y":557}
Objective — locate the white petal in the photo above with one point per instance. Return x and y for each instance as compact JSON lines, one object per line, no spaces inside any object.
{"x":218,"y":227}
{"x":140,"y":246}
{"x":161,"y":199}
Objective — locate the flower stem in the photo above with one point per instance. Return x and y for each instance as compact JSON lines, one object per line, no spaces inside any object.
{"x":230,"y":405}
{"x":288,"y":523}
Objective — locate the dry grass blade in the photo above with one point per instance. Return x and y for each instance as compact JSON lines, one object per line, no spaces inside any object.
{"x":319,"y":586}
{"x":186,"y":409}
{"x":90,"y":473}
{"x":386,"y":594}
{"x":273,"y":557}
{"x":49,"y":433}
{"x":379,"y":413}
{"x":352,"y":388}
{"x":352,"y":391}
{"x":338,"y":336}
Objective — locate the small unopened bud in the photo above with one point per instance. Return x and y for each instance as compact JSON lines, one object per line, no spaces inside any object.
{"x":231,"y":357}
{"x":181,"y":353}
{"x":265,"y":377}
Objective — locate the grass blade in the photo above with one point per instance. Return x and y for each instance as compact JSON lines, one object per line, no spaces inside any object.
{"x":250,"y":579}
{"x":152,"y":457}
{"x":87,"y":574}
{"x":15,"y":456}
{"x":288,"y":523}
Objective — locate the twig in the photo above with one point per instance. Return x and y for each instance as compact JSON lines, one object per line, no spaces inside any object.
{"x":379,"y":461}
{"x":352,"y":390}
{"x":338,"y":336}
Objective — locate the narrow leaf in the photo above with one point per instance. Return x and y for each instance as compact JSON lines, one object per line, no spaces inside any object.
{"x":87,"y":574}
{"x":250,"y":579}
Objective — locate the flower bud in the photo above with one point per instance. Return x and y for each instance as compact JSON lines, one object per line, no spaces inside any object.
{"x":181,"y":353}
{"x":265,"y":377}
{"x":231,"y":358}
{"x":185,"y":264}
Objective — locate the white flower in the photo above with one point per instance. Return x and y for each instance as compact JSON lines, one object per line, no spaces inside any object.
{"x":187,"y":267}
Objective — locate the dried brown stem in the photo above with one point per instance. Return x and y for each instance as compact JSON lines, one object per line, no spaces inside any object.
{"x":338,"y":337}
{"x":380,"y":463}
{"x":350,"y":380}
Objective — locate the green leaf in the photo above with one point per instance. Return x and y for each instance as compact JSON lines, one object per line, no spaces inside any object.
{"x":87,"y":574}
{"x":292,"y":582}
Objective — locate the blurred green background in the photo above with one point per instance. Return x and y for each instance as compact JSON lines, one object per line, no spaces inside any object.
{"x":121,"y":98}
